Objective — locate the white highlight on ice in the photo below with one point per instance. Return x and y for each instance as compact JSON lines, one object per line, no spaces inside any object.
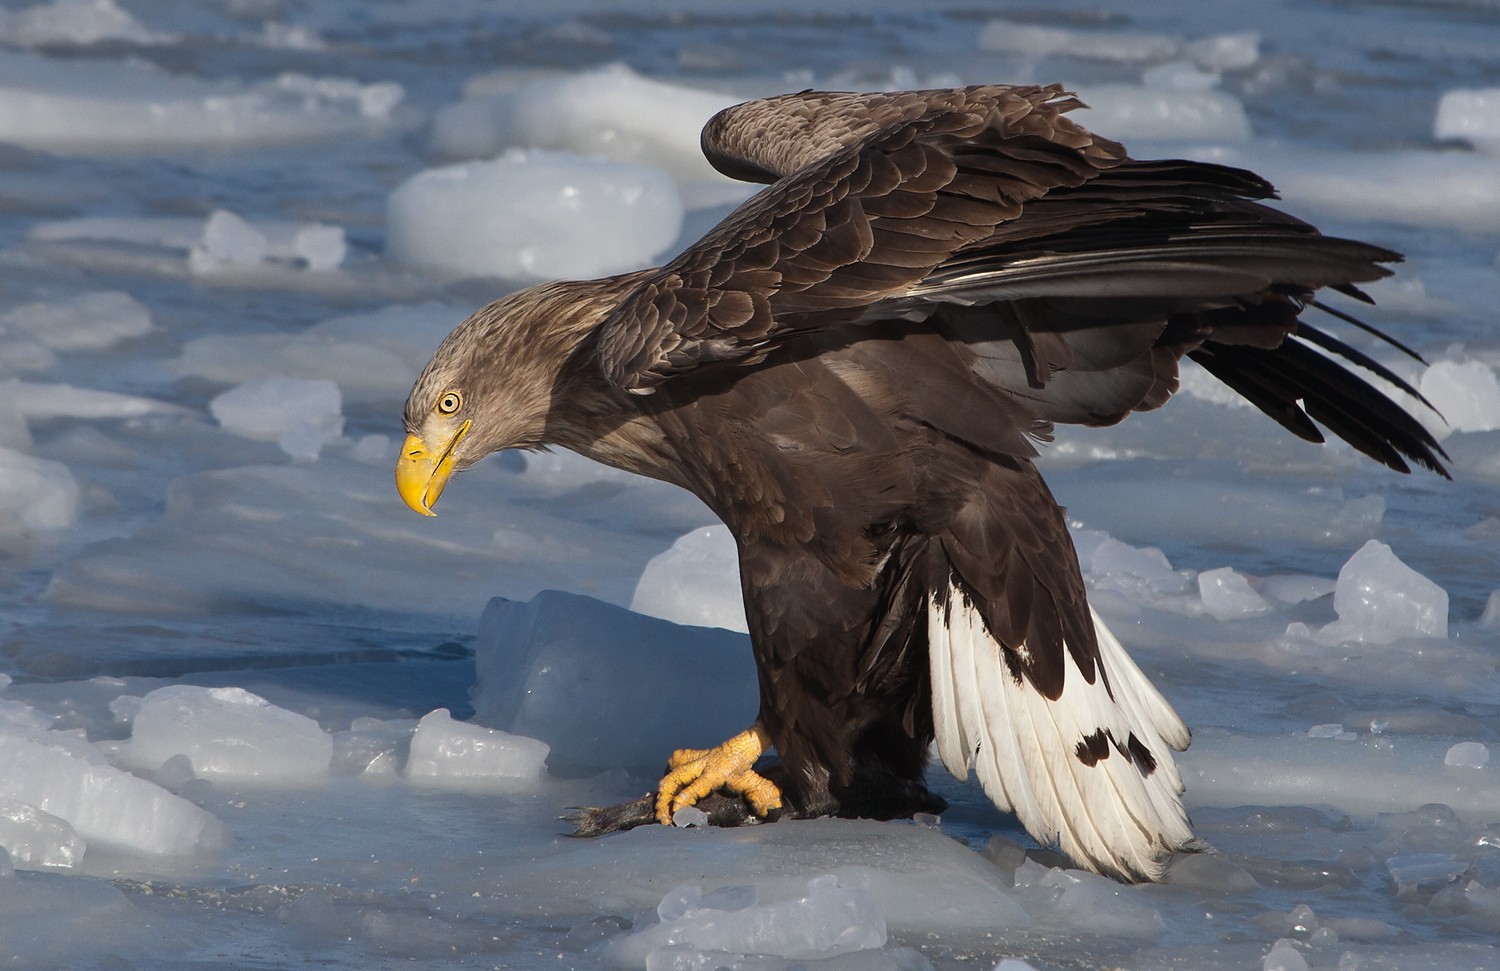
{"x":85,"y":106}
{"x":300,"y":414}
{"x":696,"y":581}
{"x":825,"y":921}
{"x":611,"y":112}
{"x":448,"y":752}
{"x":533,"y":215}
{"x":1471,"y":114}
{"x":227,"y":733}
{"x":224,"y":242}
{"x":1380,"y":599}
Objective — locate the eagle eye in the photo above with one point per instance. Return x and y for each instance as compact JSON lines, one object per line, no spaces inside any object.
{"x":450,"y":403}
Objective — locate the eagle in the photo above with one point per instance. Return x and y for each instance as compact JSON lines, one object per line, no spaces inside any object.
{"x":854,"y":371}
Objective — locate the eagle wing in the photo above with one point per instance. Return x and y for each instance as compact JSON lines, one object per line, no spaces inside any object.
{"x":864,"y":209}
{"x":1089,"y":274}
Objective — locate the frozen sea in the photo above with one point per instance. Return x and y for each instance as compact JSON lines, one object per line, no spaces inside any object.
{"x":254,"y":713}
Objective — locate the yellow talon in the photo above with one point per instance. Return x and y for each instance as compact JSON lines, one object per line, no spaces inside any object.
{"x":697,"y":772}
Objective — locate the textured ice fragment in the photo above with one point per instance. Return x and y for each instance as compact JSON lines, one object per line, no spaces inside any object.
{"x":36,"y":838}
{"x":1141,"y":572}
{"x":1325,"y":731}
{"x":827,"y":920}
{"x":696,"y":581}
{"x":1166,"y":114}
{"x":612,"y":112}
{"x":61,"y":774}
{"x":93,"y":321}
{"x":1380,"y":599}
{"x":533,"y":215}
{"x":1088,"y":903}
{"x":1284,"y":956}
{"x":444,"y":751}
{"x":227,"y":733}
{"x":1472,"y":755}
{"x":1472,"y":114}
{"x":36,"y":496}
{"x":92,"y":106}
{"x":1210,"y":873}
{"x":1423,"y":872}
{"x":1225,"y":52}
{"x":1033,"y":41}
{"x":1227,"y":595}
{"x":300,"y":414}
{"x":227,"y":240}
{"x":1465,"y":393}
{"x":689,"y":816}
{"x":587,"y":678}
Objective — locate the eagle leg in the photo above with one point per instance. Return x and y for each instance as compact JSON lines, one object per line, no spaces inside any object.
{"x":694,"y":773}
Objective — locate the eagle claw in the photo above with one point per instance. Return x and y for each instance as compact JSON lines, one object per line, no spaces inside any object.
{"x":694,"y":773}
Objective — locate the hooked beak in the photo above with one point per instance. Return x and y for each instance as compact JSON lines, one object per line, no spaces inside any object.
{"x":422,"y":472}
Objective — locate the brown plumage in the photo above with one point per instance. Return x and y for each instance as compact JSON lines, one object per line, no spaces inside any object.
{"x":853,"y":371}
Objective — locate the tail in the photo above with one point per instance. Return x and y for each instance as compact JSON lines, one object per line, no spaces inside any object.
{"x":1090,"y":771}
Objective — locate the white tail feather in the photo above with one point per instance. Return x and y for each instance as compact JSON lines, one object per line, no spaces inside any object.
{"x":1111,"y":814}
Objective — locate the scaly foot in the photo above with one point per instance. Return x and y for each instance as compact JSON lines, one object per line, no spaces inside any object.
{"x":694,"y":773}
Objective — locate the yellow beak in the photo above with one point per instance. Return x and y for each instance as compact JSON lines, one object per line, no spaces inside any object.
{"x":422,"y":472}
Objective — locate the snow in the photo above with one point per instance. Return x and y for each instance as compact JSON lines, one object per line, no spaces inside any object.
{"x":255,"y":713}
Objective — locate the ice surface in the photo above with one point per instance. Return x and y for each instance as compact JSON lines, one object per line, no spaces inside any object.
{"x":300,"y":414}
{"x":827,"y":920}
{"x":227,"y":733}
{"x":372,"y":357}
{"x":75,"y":22}
{"x":533,"y":214}
{"x":612,"y":112}
{"x":93,"y":106}
{"x":93,"y":321}
{"x":448,"y":752}
{"x":1106,"y":45}
{"x":222,"y":243}
{"x":540,"y":664}
{"x":697,"y":582}
{"x":1380,"y":599}
{"x":259,"y":143}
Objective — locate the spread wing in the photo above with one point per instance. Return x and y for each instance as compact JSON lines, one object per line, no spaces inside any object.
{"x":1078,"y":276}
{"x":874,"y":192}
